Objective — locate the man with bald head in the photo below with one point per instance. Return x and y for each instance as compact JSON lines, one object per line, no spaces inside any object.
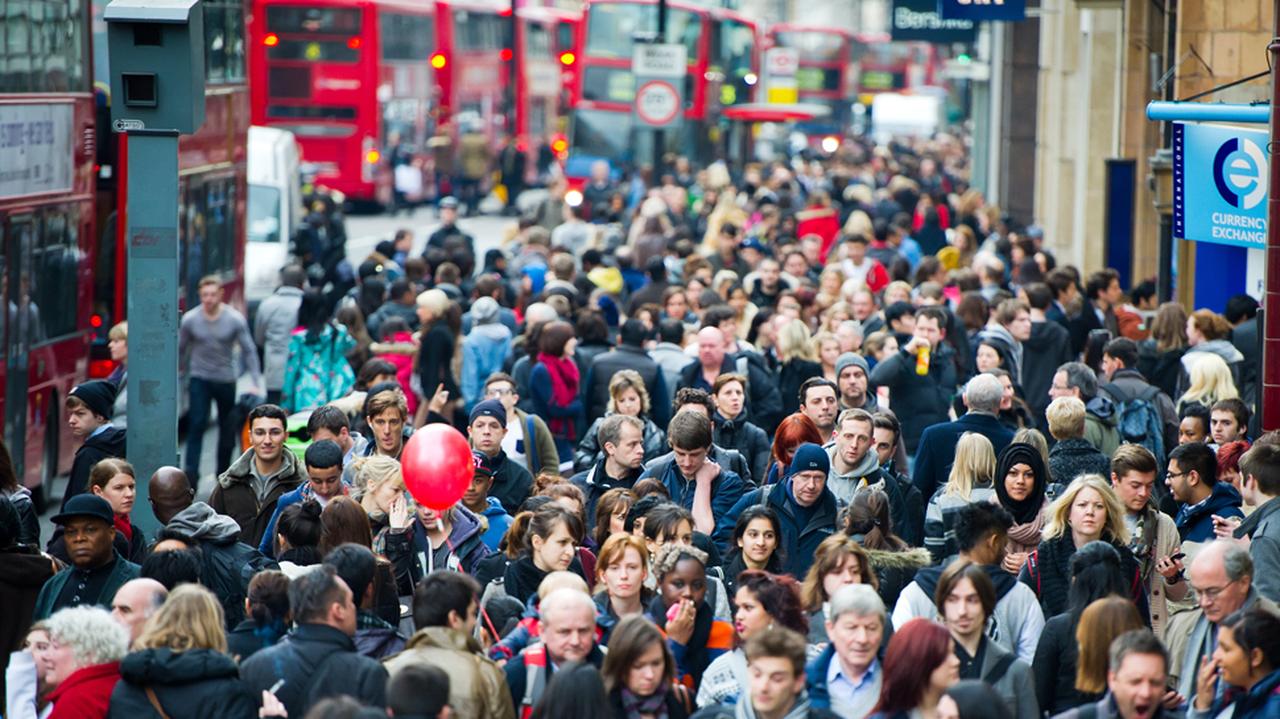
{"x":1221,"y":576}
{"x":567,"y":627}
{"x":764,"y":404}
{"x":135,"y":602}
{"x":169,"y":492}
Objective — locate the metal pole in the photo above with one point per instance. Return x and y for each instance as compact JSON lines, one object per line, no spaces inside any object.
{"x":152,"y":234}
{"x":1270,"y":396}
{"x":659,"y":137}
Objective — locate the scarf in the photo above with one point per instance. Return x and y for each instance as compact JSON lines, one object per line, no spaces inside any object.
{"x":124,"y":526}
{"x":696,"y":656}
{"x":522,"y":578}
{"x":744,"y":709}
{"x":1026,"y":537}
{"x":1024,"y":511}
{"x":564,"y":389}
{"x":654,"y":705}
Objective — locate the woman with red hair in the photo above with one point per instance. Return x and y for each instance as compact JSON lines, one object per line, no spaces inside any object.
{"x":793,"y":431}
{"x":1229,"y":455}
{"x":919,"y":665}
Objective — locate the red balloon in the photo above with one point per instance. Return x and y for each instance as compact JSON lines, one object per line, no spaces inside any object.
{"x":437,"y":466}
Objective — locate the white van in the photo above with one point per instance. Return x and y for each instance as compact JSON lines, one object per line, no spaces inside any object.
{"x":274,"y":211}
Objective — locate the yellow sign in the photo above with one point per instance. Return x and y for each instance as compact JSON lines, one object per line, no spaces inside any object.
{"x":312,"y":52}
{"x":783,"y":95}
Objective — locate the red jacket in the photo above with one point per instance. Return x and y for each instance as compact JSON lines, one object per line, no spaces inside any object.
{"x":85,"y":694}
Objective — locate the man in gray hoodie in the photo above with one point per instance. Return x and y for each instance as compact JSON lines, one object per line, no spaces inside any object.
{"x":227,"y":563}
{"x":854,"y":466}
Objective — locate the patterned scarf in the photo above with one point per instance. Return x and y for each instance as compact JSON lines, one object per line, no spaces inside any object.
{"x":654,"y":705}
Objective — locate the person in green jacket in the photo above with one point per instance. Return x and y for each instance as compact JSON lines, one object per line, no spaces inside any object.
{"x":96,"y":570}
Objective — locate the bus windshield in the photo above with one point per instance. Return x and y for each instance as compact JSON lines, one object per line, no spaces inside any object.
{"x":611,"y":28}
{"x":598,"y":133}
{"x":814,"y":46}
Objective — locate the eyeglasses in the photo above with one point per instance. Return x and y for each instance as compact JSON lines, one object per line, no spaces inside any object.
{"x":499,"y":392}
{"x":1171,"y":475}
{"x":1212,"y":593}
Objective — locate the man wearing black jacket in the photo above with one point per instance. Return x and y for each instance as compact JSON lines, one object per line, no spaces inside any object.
{"x":89,"y":408}
{"x":764,"y":404}
{"x":318,"y":659}
{"x":1048,"y":348}
{"x":622,"y":440}
{"x":511,"y":481}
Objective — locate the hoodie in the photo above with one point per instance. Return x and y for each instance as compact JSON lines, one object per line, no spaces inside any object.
{"x":227,"y":564}
{"x":195,"y":683}
{"x":484,"y":351}
{"x":1015,"y":624}
{"x":251,"y":500}
{"x":1002,"y":335}
{"x":1222,"y":348}
{"x":498,"y":523}
{"x":1195,"y":521}
{"x":1100,"y":419}
{"x":108,"y":442}
{"x":414,"y":558}
{"x":866,"y":474}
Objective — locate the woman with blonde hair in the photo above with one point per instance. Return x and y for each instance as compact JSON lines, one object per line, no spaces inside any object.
{"x":1086,"y":511}
{"x":179,"y":664}
{"x":797,"y":362}
{"x":840,"y":560}
{"x":380,"y":489}
{"x":971,"y":480}
{"x":627,"y":396}
{"x":1209,"y":380}
{"x":827,"y":348}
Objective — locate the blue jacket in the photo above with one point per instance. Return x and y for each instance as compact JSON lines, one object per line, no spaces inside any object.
{"x":937,"y":449}
{"x":304,"y":492}
{"x":1195,"y":522}
{"x":499,"y":522}
{"x":484,"y":351}
{"x":540,"y":389}
{"x":726,"y":490}
{"x":798,"y":542}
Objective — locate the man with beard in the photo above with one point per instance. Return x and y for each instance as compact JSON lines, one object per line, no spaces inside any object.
{"x":818,"y":402}
{"x":851,"y":380}
{"x":622,"y":439}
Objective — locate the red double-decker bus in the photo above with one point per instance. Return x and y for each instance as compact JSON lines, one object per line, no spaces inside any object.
{"x":347,"y":78}
{"x":825,"y":74}
{"x":722,"y":49}
{"x":546,"y":54}
{"x":884,"y":65}
{"x":47,"y":230}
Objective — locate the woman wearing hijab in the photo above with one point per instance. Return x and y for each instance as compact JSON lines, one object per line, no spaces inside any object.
{"x":1021,"y":478}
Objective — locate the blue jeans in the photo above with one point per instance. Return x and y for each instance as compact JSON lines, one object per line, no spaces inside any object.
{"x":203,"y":393}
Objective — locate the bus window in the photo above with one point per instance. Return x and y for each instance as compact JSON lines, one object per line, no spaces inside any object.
{"x":477,"y":31}
{"x":564,"y":36}
{"x":42,"y":46}
{"x":608,"y":84}
{"x":611,"y":28}
{"x":55,"y":255}
{"x":322,"y":21}
{"x":537,"y":40}
{"x":599,"y":133}
{"x":223,"y":41}
{"x":407,"y":37}
{"x":813,"y":46}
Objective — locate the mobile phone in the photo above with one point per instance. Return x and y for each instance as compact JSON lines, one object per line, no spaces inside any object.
{"x":1179,"y":555}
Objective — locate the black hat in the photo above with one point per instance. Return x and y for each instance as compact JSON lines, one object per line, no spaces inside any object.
{"x":483,"y":463}
{"x":489,"y":408}
{"x":85,"y":505}
{"x":98,"y":395}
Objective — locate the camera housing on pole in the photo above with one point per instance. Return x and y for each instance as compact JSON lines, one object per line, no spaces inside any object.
{"x":156,"y":57}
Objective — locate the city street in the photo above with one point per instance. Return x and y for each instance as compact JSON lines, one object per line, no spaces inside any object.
{"x":363,"y":232}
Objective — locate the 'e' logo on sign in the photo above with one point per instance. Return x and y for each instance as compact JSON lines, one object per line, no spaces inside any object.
{"x":1238,"y":169}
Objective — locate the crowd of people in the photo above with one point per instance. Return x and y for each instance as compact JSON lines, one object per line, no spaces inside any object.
{"x":824,"y":438}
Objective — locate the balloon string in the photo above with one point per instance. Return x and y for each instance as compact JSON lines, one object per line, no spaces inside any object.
{"x":449,"y":541}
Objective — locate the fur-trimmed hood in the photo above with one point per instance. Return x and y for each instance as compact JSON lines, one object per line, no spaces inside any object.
{"x":915,"y":558}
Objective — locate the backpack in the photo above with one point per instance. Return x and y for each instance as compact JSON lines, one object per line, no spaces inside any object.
{"x":1138,"y":419}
